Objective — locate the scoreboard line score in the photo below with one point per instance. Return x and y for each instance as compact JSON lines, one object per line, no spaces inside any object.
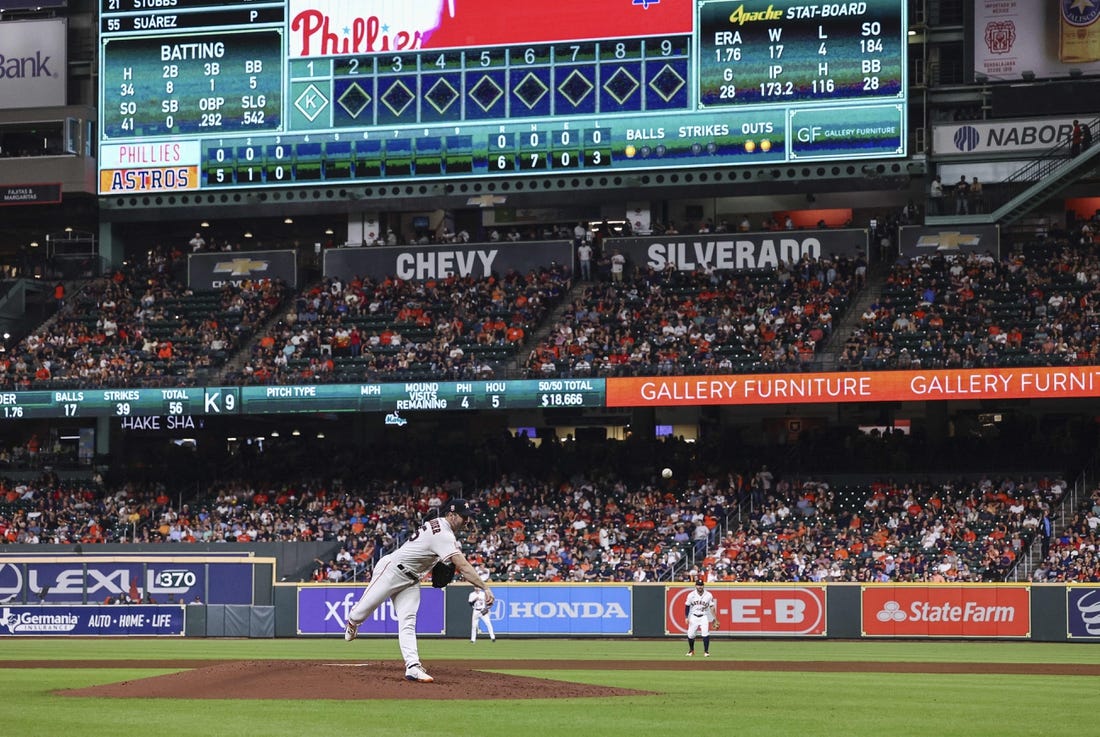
{"x":198,"y":95}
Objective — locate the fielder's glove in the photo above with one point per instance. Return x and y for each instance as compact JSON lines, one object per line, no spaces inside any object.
{"x":442,"y":574}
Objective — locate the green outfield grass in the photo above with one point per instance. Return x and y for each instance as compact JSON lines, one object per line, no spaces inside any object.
{"x":741,"y":703}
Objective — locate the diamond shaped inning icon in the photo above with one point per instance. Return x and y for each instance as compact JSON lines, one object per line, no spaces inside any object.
{"x":354,"y":100}
{"x":486,"y":92}
{"x":442,"y":95}
{"x":621,"y":85}
{"x":530,"y":90}
{"x":311,"y":103}
{"x":575,"y":88}
{"x":667,"y":82}
{"x":398,"y":98}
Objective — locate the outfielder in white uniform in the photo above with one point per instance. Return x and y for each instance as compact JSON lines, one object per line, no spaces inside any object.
{"x":480,"y":613}
{"x":397,"y":577}
{"x":702,"y":613}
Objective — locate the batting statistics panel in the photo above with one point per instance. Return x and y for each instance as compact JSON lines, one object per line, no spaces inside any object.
{"x":208,"y":95}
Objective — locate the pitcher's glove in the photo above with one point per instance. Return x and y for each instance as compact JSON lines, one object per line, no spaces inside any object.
{"x":442,"y":574}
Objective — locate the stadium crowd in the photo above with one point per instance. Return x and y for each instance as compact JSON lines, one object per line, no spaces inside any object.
{"x":140,"y":326}
{"x":568,"y":525}
{"x":1037,"y":307}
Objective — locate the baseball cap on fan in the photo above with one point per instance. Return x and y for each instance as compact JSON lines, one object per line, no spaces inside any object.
{"x":459,"y":506}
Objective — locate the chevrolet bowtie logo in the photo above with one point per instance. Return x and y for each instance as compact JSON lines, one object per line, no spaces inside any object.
{"x":949,"y":241}
{"x":240,"y":266}
{"x":486,"y":200}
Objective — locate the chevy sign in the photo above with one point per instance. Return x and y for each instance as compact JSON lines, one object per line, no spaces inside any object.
{"x":32,"y":63}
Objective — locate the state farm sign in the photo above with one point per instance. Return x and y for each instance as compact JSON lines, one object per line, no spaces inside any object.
{"x":946,"y":611}
{"x":755,"y":610}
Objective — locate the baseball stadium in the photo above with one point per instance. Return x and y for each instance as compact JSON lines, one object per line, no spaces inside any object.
{"x":624,"y":367}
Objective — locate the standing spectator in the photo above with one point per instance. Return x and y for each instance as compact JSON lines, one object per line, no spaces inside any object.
{"x":618,"y":263}
{"x":584,"y":256}
{"x":1086,"y":137}
{"x":197,"y":243}
{"x":977,"y":201}
{"x":397,"y":577}
{"x":59,"y":295}
{"x":935,"y":196}
{"x":962,"y":196}
{"x":1076,"y":137}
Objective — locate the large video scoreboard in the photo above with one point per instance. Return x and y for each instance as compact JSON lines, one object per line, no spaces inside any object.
{"x":223,"y":94}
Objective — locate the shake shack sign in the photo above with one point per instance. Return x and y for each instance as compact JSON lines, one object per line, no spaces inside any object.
{"x":737,"y":251}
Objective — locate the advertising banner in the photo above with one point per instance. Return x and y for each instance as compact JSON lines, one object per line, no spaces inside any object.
{"x":212,"y":271}
{"x":1008,"y":137}
{"x":1046,"y":39}
{"x":588,"y":609}
{"x":32,"y":63}
{"x":772,"y":611}
{"x":30,"y":194}
{"x":164,"y":583}
{"x":917,"y":240}
{"x":125,"y":620}
{"x":323,"y":610}
{"x":1083,"y":610}
{"x":736,"y":251}
{"x":864,"y":386}
{"x":945,"y":611}
{"x":437,"y":262}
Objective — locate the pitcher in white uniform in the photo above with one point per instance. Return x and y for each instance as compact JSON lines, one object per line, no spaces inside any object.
{"x":397,"y":577}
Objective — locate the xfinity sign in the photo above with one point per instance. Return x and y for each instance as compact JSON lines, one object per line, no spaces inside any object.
{"x":32,"y":63}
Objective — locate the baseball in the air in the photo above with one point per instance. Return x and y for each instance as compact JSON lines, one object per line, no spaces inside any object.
{"x":667,"y":473}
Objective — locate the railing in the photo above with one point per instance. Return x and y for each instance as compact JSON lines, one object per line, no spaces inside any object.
{"x":1036,"y":170}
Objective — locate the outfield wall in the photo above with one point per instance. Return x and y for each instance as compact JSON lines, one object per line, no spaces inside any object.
{"x":236,"y":595}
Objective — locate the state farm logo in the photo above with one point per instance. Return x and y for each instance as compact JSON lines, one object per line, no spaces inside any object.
{"x":1000,"y":35}
{"x":924,"y":611}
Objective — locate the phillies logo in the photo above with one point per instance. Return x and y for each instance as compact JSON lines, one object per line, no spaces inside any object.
{"x":336,"y":27}
{"x":999,"y":36}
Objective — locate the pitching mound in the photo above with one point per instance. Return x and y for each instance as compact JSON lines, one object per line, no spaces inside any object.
{"x":296,"y":679}
{"x":345,"y":680}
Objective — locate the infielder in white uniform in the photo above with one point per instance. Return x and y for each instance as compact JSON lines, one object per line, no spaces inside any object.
{"x":702,"y":613}
{"x":397,"y":577}
{"x":480,"y":613}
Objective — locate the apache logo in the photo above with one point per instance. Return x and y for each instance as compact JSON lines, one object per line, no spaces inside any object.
{"x":29,"y":623}
{"x":949,"y":241}
{"x":23,"y":67}
{"x":1000,"y":36}
{"x":241,"y":266}
{"x":741,"y":16}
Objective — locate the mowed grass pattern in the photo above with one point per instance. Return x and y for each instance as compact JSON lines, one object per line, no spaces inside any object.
{"x":715,"y":702}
